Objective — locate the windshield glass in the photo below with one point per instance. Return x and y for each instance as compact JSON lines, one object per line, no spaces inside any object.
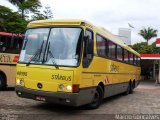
{"x":61,"y":47}
{"x":64,"y":46}
{"x":34,"y":42}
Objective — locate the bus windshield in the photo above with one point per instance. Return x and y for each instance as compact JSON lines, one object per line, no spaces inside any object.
{"x":52,"y":46}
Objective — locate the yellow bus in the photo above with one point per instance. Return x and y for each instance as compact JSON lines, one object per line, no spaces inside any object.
{"x":73,"y":62}
{"x":10,"y":46}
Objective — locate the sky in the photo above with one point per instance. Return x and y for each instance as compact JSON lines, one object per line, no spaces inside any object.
{"x":110,"y":14}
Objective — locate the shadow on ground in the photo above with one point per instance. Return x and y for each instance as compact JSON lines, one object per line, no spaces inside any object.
{"x":9,"y":89}
{"x":72,"y":110}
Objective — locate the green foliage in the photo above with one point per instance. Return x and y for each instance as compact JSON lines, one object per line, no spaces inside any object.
{"x":48,"y":12}
{"x":3,"y":16}
{"x":26,"y":6}
{"x":148,"y":33}
{"x":144,"y":48}
{"x":38,"y":16}
{"x":16,"y":22}
{"x":11,"y":21}
{"x":155,"y":49}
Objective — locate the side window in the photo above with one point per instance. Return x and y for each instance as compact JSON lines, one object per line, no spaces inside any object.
{"x":134,"y":60}
{"x":17,"y":44}
{"x":3,"y":43}
{"x":10,"y":44}
{"x":112,"y":50}
{"x":6,"y":44}
{"x":119,"y":53}
{"x":90,"y":41}
{"x":137,"y":60}
{"x":88,"y":49}
{"x":126,"y":56}
{"x":101,"y":46}
{"x":131,"y":58}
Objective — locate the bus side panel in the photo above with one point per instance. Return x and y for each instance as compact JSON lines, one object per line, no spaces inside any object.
{"x":8,"y":67}
{"x":113,"y":74}
{"x":10,"y":72}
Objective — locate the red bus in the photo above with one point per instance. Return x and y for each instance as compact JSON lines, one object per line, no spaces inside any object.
{"x":10,"y":46}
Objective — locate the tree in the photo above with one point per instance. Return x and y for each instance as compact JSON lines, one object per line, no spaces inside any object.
{"x":148,"y":33}
{"x":155,"y":49}
{"x":38,"y":16}
{"x":26,"y":6}
{"x":3,"y":16}
{"x":11,"y":21}
{"x":16,"y":22}
{"x":144,"y":48}
{"x":48,"y":12}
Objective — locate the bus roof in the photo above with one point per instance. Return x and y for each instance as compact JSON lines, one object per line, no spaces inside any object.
{"x":10,"y":34}
{"x":77,"y":22}
{"x":50,"y":22}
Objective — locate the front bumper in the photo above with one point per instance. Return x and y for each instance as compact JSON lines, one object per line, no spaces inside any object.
{"x":72,"y":99}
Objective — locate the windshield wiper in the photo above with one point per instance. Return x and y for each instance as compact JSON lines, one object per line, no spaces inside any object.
{"x":51,"y":56}
{"x":37,"y":53}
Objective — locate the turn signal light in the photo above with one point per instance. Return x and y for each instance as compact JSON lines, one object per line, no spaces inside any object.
{"x":75,"y":88}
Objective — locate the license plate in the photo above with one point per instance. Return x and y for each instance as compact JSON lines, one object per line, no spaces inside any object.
{"x":40,"y":98}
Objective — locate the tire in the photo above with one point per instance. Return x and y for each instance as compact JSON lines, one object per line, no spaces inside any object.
{"x":2,"y":83}
{"x":131,"y":88}
{"x":134,"y":84}
{"x":97,"y":99}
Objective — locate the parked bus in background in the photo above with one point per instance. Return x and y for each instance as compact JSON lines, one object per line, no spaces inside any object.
{"x":10,"y":45}
{"x":73,"y":62}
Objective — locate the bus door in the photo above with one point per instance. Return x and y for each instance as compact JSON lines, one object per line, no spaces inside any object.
{"x":87,"y":73}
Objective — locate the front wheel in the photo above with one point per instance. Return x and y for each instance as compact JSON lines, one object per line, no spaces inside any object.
{"x":131,"y":87}
{"x":97,"y":99}
{"x":2,"y":83}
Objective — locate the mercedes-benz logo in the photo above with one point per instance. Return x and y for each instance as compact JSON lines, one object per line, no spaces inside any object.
{"x":39,"y":85}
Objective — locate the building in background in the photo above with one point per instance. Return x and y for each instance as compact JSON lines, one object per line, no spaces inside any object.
{"x":125,"y":35}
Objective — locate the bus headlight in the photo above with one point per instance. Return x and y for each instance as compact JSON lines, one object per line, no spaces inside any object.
{"x":69,"y":87}
{"x":64,"y":87}
{"x":20,"y":82}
